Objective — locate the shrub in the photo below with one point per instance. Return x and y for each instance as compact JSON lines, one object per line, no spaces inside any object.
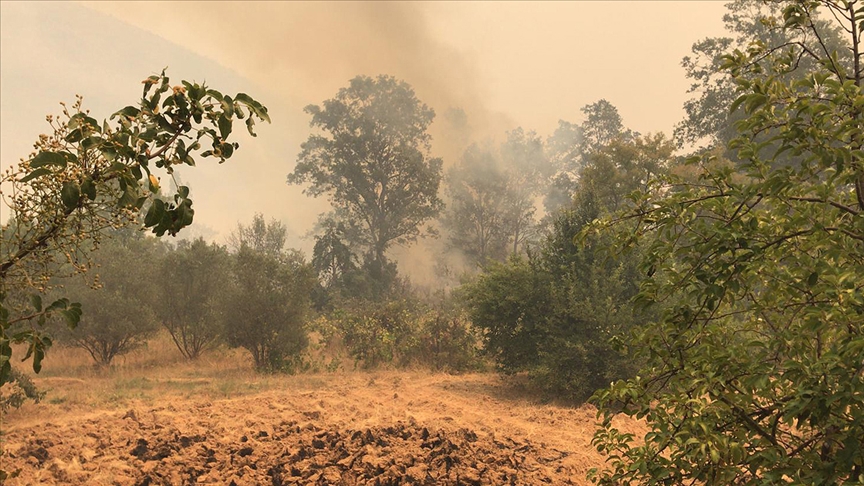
{"x":15,"y":389}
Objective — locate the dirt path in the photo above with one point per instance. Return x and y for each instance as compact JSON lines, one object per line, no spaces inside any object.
{"x":381,"y":428}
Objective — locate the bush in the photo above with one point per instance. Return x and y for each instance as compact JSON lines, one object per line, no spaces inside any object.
{"x":15,"y":389}
{"x":403,"y":332}
{"x":444,"y":340}
{"x":119,"y":318}
{"x":266,"y":306}
{"x":554,"y":315}
{"x":193,"y":280}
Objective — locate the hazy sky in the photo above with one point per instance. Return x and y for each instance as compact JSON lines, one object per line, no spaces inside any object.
{"x":507,"y":64}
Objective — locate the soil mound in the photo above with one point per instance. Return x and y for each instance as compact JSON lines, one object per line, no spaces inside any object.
{"x":304,"y":454}
{"x":390,"y":429}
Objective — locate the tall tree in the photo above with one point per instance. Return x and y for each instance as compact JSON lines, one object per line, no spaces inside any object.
{"x":553,"y":314}
{"x":754,"y":373}
{"x":493,"y":192}
{"x":524,"y":160}
{"x":571,"y":145}
{"x":259,"y":236}
{"x":476,"y":218}
{"x":709,"y":122}
{"x":372,"y":160}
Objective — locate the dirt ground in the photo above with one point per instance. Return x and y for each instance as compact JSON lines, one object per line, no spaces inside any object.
{"x":170,"y":426}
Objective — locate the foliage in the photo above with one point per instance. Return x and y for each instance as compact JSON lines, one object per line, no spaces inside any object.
{"x":16,"y":389}
{"x":492,"y":191}
{"x":259,"y":236}
{"x":555,"y":313}
{"x":754,"y":373}
{"x":373,"y":162}
{"x":119,"y":318}
{"x":476,"y":218}
{"x":267,"y":302}
{"x":404,"y":331}
{"x":341,"y":276}
{"x":571,"y":146}
{"x":87,"y":176}
{"x":509,"y":303}
{"x":192,"y":280}
{"x":444,"y":340}
{"x":375,"y":332}
{"x":709,"y":121}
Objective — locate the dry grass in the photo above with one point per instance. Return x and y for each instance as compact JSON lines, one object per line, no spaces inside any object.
{"x":151,"y":374}
{"x":221,"y":398}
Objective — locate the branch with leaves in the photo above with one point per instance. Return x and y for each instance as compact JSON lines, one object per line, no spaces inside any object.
{"x":88,"y":176}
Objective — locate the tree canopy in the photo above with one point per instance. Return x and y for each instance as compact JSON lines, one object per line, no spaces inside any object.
{"x":754,"y":372}
{"x":372,"y":160}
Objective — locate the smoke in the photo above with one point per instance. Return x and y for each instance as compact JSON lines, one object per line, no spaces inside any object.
{"x":301,"y":53}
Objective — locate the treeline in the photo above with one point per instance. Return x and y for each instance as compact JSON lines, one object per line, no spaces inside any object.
{"x":531,"y":298}
{"x":257,"y":295}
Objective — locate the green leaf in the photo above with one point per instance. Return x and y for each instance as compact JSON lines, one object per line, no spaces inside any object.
{"x":36,"y":302}
{"x":48,"y":158}
{"x":36,"y":173}
{"x":250,"y":122}
{"x":225,"y":126}
{"x":72,"y":315}
{"x":254,"y":106}
{"x":812,"y":279}
{"x":129,"y":111}
{"x":155,"y":213}
{"x":88,"y":188}
{"x":70,"y":194}
{"x":75,"y":136}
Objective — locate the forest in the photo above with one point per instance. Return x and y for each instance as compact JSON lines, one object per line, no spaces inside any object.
{"x":699,"y":292}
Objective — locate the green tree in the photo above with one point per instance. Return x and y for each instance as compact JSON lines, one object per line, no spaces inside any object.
{"x":119,"y":318}
{"x":268,"y":299}
{"x":87,"y":176}
{"x":555,"y":313}
{"x":260,"y":236}
{"x":192,"y":280}
{"x":524,"y":159}
{"x":572,"y":145}
{"x":754,"y":373}
{"x":372,"y":160}
{"x":709,"y":122}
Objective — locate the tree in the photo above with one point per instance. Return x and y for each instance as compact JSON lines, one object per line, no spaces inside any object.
{"x":192,"y":282}
{"x":709,"y":122}
{"x":119,"y":318}
{"x":571,"y":146}
{"x":476,"y":218}
{"x":754,"y":373}
{"x":493,"y":192}
{"x":602,"y":124}
{"x":260,"y":236}
{"x":88,"y":176}
{"x":526,"y":165}
{"x":373,"y":162}
{"x":553,"y":314}
{"x":267,"y":299}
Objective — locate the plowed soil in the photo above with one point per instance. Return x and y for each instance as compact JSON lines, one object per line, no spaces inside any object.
{"x":351,"y":429}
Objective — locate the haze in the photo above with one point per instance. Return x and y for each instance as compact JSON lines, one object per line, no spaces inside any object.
{"x":505,"y":64}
